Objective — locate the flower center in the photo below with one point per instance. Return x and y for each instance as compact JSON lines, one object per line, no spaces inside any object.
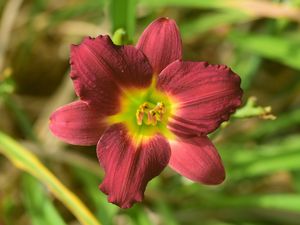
{"x":145,"y":111}
{"x":150,"y":114}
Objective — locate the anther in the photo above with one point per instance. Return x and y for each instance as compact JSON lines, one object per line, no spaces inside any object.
{"x":153,"y":115}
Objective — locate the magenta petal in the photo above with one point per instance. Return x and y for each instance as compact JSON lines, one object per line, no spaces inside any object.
{"x":206,"y":95}
{"x":197,"y":159}
{"x":77,"y":123}
{"x":161,"y":43}
{"x":128,"y":168}
{"x":101,"y":69}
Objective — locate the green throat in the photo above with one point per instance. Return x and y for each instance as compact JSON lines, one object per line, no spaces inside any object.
{"x":145,"y":112}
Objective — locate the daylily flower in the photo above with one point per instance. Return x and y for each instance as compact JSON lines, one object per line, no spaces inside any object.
{"x":145,"y":109}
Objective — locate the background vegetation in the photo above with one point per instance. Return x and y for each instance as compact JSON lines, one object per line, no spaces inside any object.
{"x":259,"y":39}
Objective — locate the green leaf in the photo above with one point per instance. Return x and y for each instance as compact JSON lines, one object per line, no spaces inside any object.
{"x":289,"y":202}
{"x":140,"y":216}
{"x":123,"y":16}
{"x":242,"y":155}
{"x":26,"y":161}
{"x":38,"y":204}
{"x":84,"y":8}
{"x":278,"y":48}
{"x":166,"y":212}
{"x":246,"y":65}
{"x":104,"y":211}
{"x":284,"y":122}
{"x":209,"y":21}
{"x":267,"y":165}
{"x":242,"y":163}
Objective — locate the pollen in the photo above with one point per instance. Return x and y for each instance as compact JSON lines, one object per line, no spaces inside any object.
{"x":150,"y":114}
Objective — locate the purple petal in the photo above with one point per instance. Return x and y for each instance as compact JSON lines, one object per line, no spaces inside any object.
{"x":197,"y":159}
{"x":206,"y":95}
{"x":77,"y":123}
{"x":129,"y":166}
{"x":101,"y":69}
{"x":161,"y":43}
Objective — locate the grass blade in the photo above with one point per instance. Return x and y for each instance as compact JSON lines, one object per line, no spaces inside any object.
{"x":289,"y":202}
{"x":38,"y":204}
{"x":123,"y":16}
{"x":26,"y":161}
{"x":281,"y":49}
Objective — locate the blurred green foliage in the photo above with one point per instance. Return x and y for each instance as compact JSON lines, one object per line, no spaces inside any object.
{"x":258,"y":39}
{"x":38,"y":205}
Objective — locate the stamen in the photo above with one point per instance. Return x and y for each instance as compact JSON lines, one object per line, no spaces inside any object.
{"x":139,"y":117}
{"x":154,"y":115}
